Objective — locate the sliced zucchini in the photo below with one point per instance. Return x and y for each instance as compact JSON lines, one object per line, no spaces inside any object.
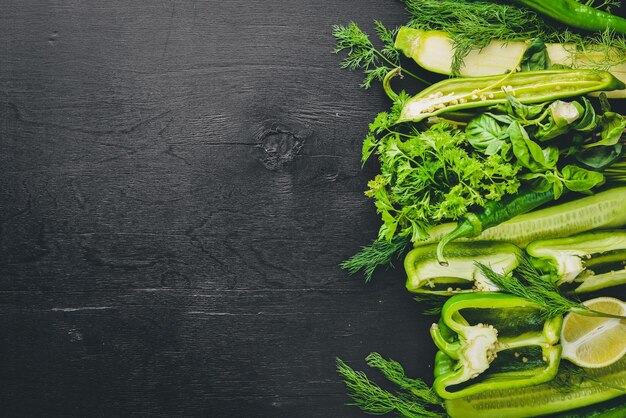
{"x":434,"y":50}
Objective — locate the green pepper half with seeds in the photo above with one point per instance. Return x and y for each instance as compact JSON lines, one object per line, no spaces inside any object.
{"x":493,"y":341}
{"x":591,"y":261}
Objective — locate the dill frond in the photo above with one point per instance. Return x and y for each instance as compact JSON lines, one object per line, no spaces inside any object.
{"x":474,"y":24}
{"x":379,"y":253}
{"x":532,"y":285}
{"x":362,"y":54}
{"x":371,"y":398}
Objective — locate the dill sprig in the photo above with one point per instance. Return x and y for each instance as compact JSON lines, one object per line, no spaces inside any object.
{"x":362,"y":54}
{"x":416,"y":400}
{"x":474,"y":24}
{"x":571,"y":376}
{"x":530,"y":283}
{"x":379,"y":253}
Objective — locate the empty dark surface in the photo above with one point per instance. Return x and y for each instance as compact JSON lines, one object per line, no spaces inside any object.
{"x":178,"y":183}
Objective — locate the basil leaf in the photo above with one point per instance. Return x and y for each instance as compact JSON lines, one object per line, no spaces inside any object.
{"x":613,"y":125}
{"x":562,"y":117}
{"x":557,"y":186}
{"x":519,"y":111}
{"x":599,"y":157}
{"x":578,"y":179}
{"x":535,"y":57}
{"x":588,"y":121}
{"x":550,"y":157}
{"x":506,"y":119}
{"x":485,"y":134}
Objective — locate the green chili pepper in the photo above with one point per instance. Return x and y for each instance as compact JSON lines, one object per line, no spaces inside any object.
{"x":456,"y":94}
{"x":493,"y":341}
{"x":595,"y":259}
{"x":578,"y":15}
{"x":493,"y":214}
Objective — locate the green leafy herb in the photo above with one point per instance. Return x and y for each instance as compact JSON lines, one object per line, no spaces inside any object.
{"x":571,"y":376}
{"x":474,"y":24}
{"x":379,"y":253}
{"x":362,"y":54}
{"x":535,"y":57}
{"x":485,"y":134}
{"x":529,"y":154}
{"x":530,"y":283}
{"x":599,"y":158}
{"x":416,"y":400}
{"x":613,"y":125}
{"x":429,"y":176}
{"x":578,"y":179}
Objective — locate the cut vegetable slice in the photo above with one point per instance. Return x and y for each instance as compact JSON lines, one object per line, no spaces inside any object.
{"x":434,"y":51}
{"x":593,"y":342}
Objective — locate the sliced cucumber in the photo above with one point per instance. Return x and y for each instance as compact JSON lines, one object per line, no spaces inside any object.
{"x":544,"y":399}
{"x":434,"y":50}
{"x":606,"y":209}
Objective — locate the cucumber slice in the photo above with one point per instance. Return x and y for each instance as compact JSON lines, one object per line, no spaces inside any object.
{"x":603,"y":210}
{"x":433,"y":50}
{"x":547,"y":398}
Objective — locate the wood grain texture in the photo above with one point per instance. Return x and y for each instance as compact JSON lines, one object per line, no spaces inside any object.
{"x":178,"y":183}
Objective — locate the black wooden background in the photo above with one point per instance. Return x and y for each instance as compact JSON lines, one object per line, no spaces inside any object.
{"x":179,"y":181}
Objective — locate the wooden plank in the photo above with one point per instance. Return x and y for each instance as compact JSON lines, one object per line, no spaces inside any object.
{"x":179,"y":181}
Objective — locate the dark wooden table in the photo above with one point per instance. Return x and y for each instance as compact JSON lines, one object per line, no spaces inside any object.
{"x":179,"y":181}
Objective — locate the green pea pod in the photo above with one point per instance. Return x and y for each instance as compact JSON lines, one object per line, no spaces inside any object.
{"x":493,"y":341}
{"x":458,"y":94}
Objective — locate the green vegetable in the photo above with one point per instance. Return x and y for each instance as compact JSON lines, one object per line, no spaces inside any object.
{"x":427,"y":176}
{"x":485,"y":134}
{"x":416,"y":400}
{"x":573,"y":389}
{"x":425,"y":274}
{"x":380,"y":253}
{"x":529,"y":283}
{"x":475,"y":329}
{"x":613,"y":125}
{"x":565,"y":392}
{"x":595,"y":259}
{"x":606,"y":209}
{"x":457,"y":94}
{"x":485,"y":38}
{"x":494,"y":213}
{"x":576,"y":14}
{"x":375,"y":63}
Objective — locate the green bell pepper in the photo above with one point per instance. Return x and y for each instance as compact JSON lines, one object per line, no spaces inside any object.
{"x":493,"y":341}
{"x":591,"y":261}
{"x":426,"y":275}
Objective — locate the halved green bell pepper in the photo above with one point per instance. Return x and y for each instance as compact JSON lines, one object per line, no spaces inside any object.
{"x":426,"y":275}
{"x":493,"y":341}
{"x":592,"y":261}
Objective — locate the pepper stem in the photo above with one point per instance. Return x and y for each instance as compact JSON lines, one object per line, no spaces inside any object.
{"x":470,"y":227}
{"x":387,"y":83}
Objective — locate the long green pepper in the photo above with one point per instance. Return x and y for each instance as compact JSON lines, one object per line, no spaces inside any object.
{"x":458,"y":94}
{"x":576,"y":14}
